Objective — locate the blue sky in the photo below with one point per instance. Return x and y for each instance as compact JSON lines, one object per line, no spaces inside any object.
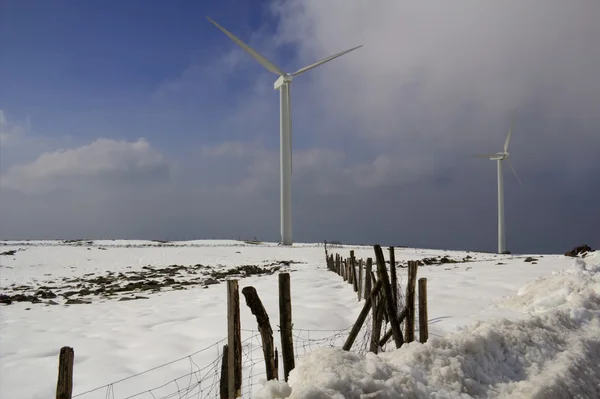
{"x":66,"y":63}
{"x":142,"y":120}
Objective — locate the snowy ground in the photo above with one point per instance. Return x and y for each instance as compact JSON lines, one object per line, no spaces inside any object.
{"x":540,"y":324}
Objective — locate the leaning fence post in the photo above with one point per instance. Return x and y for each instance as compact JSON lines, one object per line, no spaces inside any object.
{"x":234,"y":340}
{"x":285,"y":324}
{"x":264,"y":326}
{"x":423,"y":318}
{"x":64,"y":386}
{"x":370,"y":300}
{"x":410,"y":301}
{"x":389,"y":300}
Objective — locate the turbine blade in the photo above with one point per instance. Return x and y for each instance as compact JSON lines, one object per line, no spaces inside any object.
{"x":512,"y":121}
{"x":484,"y":155}
{"x":514,"y":171}
{"x":324,"y":60}
{"x":262,"y":60}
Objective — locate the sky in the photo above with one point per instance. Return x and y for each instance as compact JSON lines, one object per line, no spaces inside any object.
{"x":142,"y":120}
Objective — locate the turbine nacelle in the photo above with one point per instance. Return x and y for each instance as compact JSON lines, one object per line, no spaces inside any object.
{"x":287,"y":78}
{"x":500,"y":156}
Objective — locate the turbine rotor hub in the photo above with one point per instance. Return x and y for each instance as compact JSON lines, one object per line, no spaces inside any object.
{"x":287,"y":78}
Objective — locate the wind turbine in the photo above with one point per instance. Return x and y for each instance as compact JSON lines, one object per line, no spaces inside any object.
{"x":283,"y":85}
{"x":500,"y":157}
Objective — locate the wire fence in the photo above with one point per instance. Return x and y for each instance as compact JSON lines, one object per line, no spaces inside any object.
{"x":198,"y":375}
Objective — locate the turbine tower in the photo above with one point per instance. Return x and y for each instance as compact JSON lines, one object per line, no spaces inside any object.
{"x":285,"y":130}
{"x":500,"y":157}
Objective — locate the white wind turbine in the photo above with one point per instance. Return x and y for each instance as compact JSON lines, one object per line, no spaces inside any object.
{"x":499,"y":158}
{"x":283,"y":85}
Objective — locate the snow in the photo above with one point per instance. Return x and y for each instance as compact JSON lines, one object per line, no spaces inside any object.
{"x":515,"y":329}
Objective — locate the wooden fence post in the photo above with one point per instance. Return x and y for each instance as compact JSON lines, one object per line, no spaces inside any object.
{"x":353,"y":272}
{"x":393,"y":277}
{"x":377,"y":321}
{"x":410,"y":301}
{"x":361,"y":317}
{"x":360,"y":279}
{"x":224,"y":384}
{"x":64,"y":386}
{"x":389,"y":300}
{"x":368,"y":271}
{"x":234,"y":340}
{"x":285,"y":324}
{"x":264,"y":326}
{"x":423,"y":318}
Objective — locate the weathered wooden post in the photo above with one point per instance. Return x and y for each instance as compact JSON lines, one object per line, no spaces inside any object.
{"x":360,"y":279}
{"x":64,"y":386}
{"x":234,"y":340}
{"x":361,"y":317}
{"x":368,"y":271}
{"x":376,"y":321}
{"x":389,"y":300}
{"x":264,"y":326}
{"x":285,"y":324}
{"x":224,"y":384}
{"x":423,"y":318}
{"x":410,"y":301}
{"x":353,"y":272}
{"x":393,"y":277}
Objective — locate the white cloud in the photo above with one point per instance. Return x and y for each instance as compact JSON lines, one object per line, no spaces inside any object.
{"x":104,"y":159}
{"x":10,"y":132}
{"x":422,"y":63}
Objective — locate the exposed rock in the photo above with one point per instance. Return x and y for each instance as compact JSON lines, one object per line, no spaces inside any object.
{"x":79,"y":290}
{"x":530,"y":259}
{"x":76,"y":302}
{"x":9,"y":253}
{"x":582,"y":249}
{"x":128,"y":298}
{"x":45,"y":294}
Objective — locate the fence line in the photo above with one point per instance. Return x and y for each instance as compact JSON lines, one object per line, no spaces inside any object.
{"x":389,"y":307}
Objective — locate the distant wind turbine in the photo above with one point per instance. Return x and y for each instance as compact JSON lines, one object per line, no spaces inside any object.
{"x":499,"y":158}
{"x":283,"y":85}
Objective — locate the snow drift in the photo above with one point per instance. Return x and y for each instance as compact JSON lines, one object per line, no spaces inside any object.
{"x":554,"y":353}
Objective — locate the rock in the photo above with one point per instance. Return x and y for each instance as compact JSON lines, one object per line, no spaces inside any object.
{"x":51,"y":302}
{"x":129,"y":298}
{"x":530,"y":259}
{"x":45,"y":294}
{"x":579,"y":250}
{"x":9,"y":253}
{"x":76,"y":302}
{"x":211,"y":281}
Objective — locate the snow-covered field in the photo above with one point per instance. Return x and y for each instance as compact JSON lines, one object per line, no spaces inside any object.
{"x":499,"y":326}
